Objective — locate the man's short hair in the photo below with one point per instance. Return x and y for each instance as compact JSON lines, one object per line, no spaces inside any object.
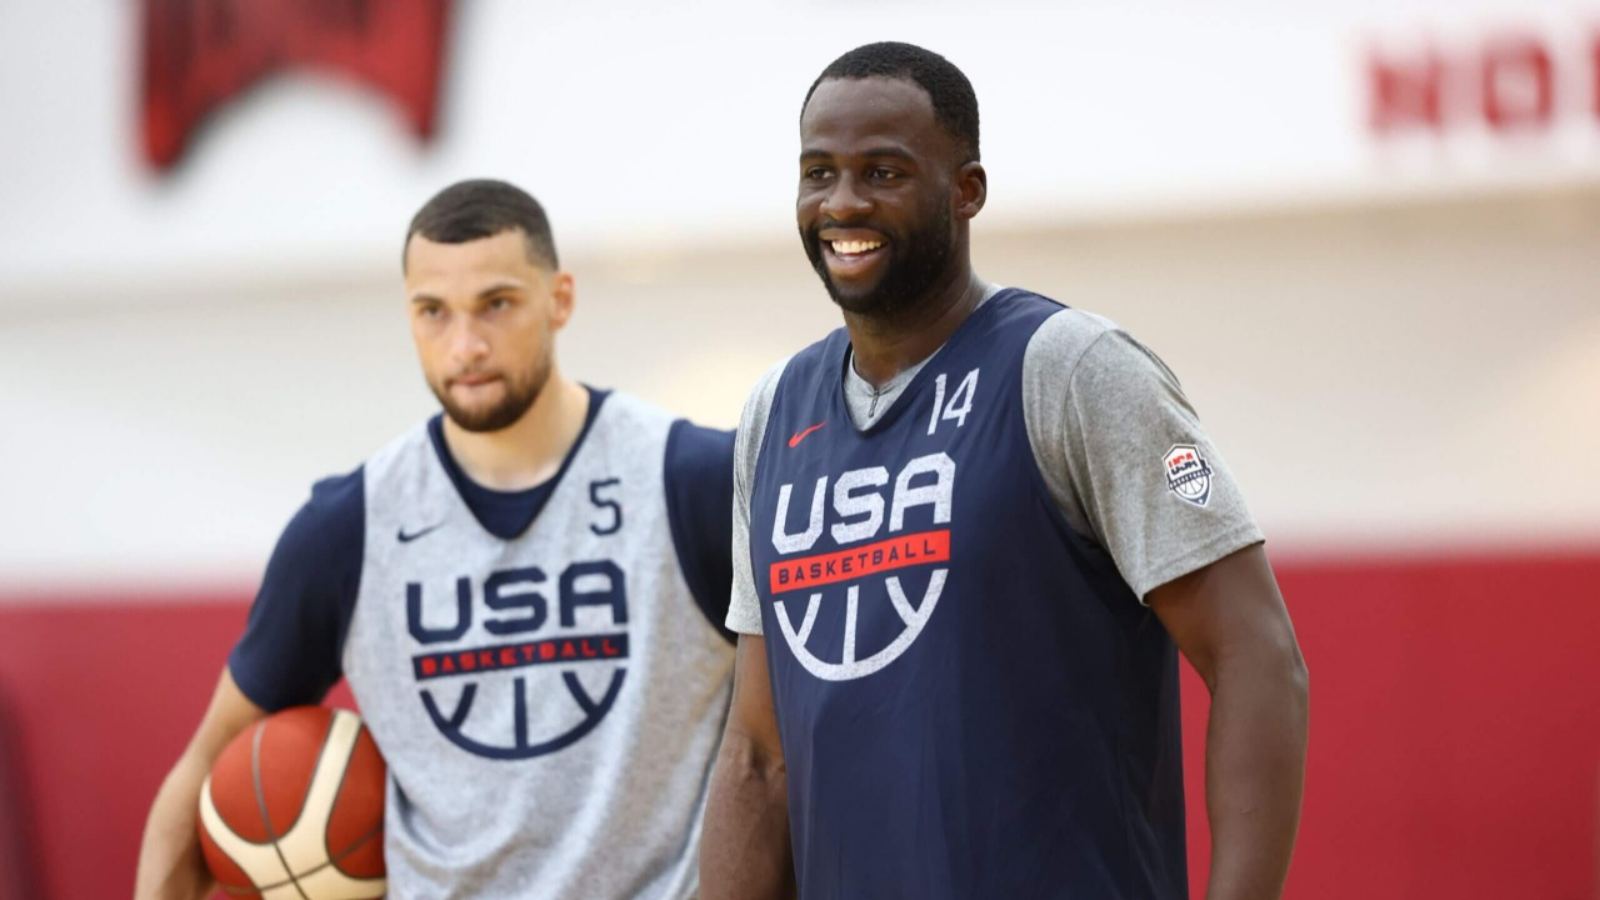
{"x":480,"y":208}
{"x":955,"y":106}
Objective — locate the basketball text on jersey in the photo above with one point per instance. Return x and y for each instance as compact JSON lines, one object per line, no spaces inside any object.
{"x":548,"y":699}
{"x":516,"y":603}
{"x":856,"y":513}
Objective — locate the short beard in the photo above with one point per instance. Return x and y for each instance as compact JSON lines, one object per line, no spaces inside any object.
{"x":520,"y":396}
{"x":916,"y":263}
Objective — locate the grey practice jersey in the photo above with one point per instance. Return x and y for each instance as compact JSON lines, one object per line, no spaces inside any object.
{"x":548,"y":705}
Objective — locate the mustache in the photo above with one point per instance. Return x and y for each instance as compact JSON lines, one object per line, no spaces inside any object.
{"x":825,"y":224}
{"x":474,"y":374}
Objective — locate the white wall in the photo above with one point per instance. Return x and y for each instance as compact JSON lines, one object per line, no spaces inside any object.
{"x":1380,"y":379}
{"x":675,"y":123}
{"x":1384,"y":379}
{"x":1397,"y":342}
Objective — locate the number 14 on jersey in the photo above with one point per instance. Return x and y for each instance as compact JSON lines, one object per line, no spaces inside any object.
{"x":959,"y":404}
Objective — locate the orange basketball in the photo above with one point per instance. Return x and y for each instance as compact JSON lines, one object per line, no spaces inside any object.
{"x":294,"y":808}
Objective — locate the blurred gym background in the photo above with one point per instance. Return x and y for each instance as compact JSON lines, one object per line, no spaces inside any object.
{"x":1366,"y":236}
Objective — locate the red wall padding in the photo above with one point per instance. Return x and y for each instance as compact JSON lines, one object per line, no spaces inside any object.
{"x":1455,"y":737}
{"x":1455,"y":730}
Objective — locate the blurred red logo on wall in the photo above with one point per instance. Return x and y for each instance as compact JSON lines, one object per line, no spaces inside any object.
{"x":1510,"y":82}
{"x":199,"y":55}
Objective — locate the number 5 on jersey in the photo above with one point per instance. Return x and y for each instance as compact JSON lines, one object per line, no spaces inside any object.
{"x":606,"y":505}
{"x":960,"y":401}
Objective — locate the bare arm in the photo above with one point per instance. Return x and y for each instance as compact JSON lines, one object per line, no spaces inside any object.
{"x":1230,"y":622}
{"x":744,"y":850}
{"x":170,"y":865}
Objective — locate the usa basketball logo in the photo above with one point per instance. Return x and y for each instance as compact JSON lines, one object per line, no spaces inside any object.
{"x":541,"y":637}
{"x":882,"y":560}
{"x":1188,"y":474}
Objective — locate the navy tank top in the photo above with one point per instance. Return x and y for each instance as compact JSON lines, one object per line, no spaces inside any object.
{"x":972,"y":702}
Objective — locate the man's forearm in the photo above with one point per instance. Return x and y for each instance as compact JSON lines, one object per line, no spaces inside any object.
{"x":1255,"y":773}
{"x":170,"y":864}
{"x":744,"y":849}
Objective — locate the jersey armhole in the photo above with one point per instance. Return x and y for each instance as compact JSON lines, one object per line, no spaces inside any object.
{"x":697,"y":480}
{"x":292,"y":648}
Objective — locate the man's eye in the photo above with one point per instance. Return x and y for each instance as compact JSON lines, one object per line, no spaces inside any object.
{"x":430,"y":312}
{"x":499,"y":303}
{"x":882,"y":174}
{"x":816,"y":173}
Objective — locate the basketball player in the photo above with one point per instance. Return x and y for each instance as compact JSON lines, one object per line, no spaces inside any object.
{"x":970,"y":527}
{"x":520,"y":592}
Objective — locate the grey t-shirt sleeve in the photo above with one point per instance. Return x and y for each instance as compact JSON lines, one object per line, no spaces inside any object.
{"x":744,"y":607}
{"x":1124,"y":454}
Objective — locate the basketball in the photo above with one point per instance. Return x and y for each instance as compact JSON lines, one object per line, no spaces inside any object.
{"x":293,"y":807}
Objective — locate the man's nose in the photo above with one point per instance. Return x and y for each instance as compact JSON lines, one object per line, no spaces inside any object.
{"x":845,"y":201}
{"x":467,"y":342}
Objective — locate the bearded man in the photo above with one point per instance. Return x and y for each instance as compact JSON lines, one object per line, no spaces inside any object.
{"x":521,"y":592}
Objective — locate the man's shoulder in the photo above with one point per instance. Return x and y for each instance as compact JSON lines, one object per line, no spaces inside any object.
{"x":408,"y":443}
{"x":338,"y":491}
{"x":331,"y":520}
{"x":757,"y":409}
{"x":1080,"y":358}
{"x":337,"y":504}
{"x":761,"y":392}
{"x":693,"y":448}
{"x":615,"y":404}
{"x":818,"y":355}
{"x":1066,"y":335}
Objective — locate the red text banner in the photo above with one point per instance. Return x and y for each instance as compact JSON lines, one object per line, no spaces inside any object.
{"x":887,"y":555}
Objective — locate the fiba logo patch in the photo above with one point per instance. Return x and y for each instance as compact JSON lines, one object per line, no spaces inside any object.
{"x":852,"y":587}
{"x":502,"y":696}
{"x":1188,"y":474}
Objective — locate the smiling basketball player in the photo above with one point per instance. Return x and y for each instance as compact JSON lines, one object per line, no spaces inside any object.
{"x":970,"y":527}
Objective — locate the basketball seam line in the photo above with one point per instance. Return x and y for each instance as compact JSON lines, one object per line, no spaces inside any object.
{"x":354,"y":846}
{"x":261,"y":802}
{"x":344,"y":774}
{"x":272,"y":837}
{"x":316,"y":766}
{"x":311,"y":871}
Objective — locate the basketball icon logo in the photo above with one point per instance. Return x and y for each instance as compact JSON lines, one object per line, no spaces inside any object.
{"x":1188,"y":474}
{"x":885,"y":571}
{"x":500,"y":698}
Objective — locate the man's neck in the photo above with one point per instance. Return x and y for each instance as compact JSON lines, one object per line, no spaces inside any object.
{"x":531,"y":450}
{"x":883,"y":348}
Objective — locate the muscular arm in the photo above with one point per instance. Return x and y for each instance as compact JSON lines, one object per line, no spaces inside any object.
{"x":170,"y":865}
{"x":744,"y":850}
{"x":1230,"y":622}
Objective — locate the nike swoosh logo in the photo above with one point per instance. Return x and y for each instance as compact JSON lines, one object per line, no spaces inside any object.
{"x":802,"y":435}
{"x":408,"y":538}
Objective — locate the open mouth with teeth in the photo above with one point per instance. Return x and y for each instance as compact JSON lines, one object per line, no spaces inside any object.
{"x":849,"y":258}
{"x":854,"y":248}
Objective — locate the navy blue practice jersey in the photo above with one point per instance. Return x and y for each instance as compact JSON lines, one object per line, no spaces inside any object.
{"x":972,"y":701}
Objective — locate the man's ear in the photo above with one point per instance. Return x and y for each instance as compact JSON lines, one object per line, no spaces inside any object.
{"x":563,"y":289}
{"x":972,"y":189}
